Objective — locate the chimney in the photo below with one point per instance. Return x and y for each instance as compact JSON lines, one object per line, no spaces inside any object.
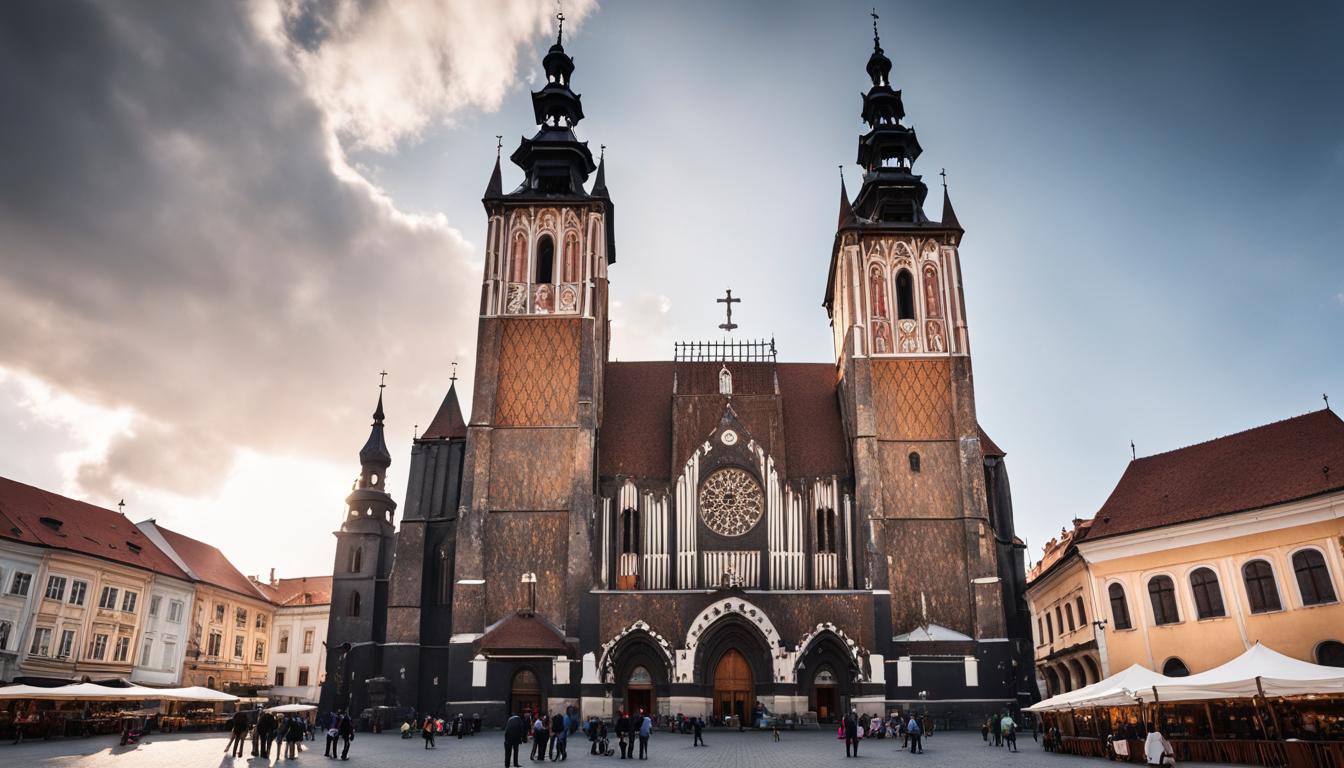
{"x":272,"y":577}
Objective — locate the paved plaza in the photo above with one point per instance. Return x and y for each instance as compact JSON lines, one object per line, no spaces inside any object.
{"x":727,"y":749}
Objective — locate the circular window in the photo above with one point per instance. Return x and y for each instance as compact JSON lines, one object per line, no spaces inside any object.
{"x":731,"y":503}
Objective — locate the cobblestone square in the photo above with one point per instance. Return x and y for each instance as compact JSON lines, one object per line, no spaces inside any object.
{"x":725,"y":749}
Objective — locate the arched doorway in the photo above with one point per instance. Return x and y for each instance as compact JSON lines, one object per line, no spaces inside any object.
{"x":827,"y":695}
{"x":732,"y":686}
{"x":525,"y":693}
{"x":639,"y":696}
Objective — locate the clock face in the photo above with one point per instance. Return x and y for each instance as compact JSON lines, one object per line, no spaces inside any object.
{"x":731,"y":502}
{"x":729,"y":437}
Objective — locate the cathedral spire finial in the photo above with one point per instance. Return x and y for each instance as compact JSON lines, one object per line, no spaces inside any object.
{"x":453,"y":378}
{"x":560,"y":32}
{"x":943,"y":172}
{"x":877,"y":41}
{"x":499,"y":144}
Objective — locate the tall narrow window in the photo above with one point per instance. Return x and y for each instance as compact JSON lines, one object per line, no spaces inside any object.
{"x":1261,"y":590}
{"x":914,"y":461}
{"x":630,"y":532}
{"x":826,"y":531}
{"x":353,"y":609}
{"x":905,"y":296}
{"x":1119,"y":607}
{"x":357,"y":560}
{"x":1068,"y":613}
{"x":1162,"y":592}
{"x":518,"y":259}
{"x":1059,"y":619}
{"x":1208,"y":596}
{"x":545,"y":260}
{"x":445,"y":578}
{"x":1049,"y":628}
{"x":571,"y":271}
{"x":1313,"y":577}
{"x":1082,"y":617}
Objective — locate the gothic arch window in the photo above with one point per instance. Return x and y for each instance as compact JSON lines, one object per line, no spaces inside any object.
{"x":725,"y":381}
{"x":1208,"y":595}
{"x":1068,"y":613}
{"x":352,"y":607}
{"x":1162,"y":594}
{"x":445,"y":577}
{"x":1059,"y":619}
{"x":570,"y":272}
{"x":1082,"y":617}
{"x":826,"y":530}
{"x":1313,"y":577}
{"x":1261,"y":591}
{"x":630,"y":532}
{"x":1119,"y":607}
{"x":356,"y":560}
{"x":545,"y":260}
{"x":932,"y":295}
{"x":518,"y":259}
{"x":905,"y":296}
{"x":877,"y":291}
{"x":1049,"y":627}
{"x":1174,"y":667}
{"x":914,"y":461}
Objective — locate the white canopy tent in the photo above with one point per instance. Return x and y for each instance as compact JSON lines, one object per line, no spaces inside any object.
{"x":285,"y":709}
{"x":94,"y":692}
{"x":1259,"y":670}
{"x":1125,"y":687}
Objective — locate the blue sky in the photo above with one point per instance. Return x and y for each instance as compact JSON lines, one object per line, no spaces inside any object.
{"x":1152,"y":194}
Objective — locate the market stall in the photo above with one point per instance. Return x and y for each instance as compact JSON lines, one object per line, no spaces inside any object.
{"x":87,"y":709}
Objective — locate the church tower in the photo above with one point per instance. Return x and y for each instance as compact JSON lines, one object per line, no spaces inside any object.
{"x":358,"y":624}
{"x":528,"y":491}
{"x":894,"y":296}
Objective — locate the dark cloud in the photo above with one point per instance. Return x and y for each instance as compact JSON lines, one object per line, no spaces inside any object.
{"x":176,"y":236}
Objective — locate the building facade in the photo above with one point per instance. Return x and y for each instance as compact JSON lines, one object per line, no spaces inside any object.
{"x":19,"y":566}
{"x":707,"y":535}
{"x":1198,"y":554}
{"x":298,"y":656}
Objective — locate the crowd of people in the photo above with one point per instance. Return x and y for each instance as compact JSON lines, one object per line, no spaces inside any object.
{"x":908,"y":727}
{"x":285,"y":732}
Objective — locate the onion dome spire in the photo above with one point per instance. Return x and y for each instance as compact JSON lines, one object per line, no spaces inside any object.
{"x":374,"y":456}
{"x":555,"y":161}
{"x":891,"y":191}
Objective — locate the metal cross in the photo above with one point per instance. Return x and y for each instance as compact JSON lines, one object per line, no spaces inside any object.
{"x":121,"y":506}
{"x":1132,"y":454}
{"x":943,"y":172}
{"x":729,"y":302}
{"x":382,"y":379}
{"x":454,"y":376}
{"x":875,"y":17}
{"x":560,"y":36}
{"x":1326,"y":398}
{"x":499,"y":144}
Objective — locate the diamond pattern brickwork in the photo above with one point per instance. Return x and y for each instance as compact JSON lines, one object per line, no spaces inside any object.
{"x":913,"y":399}
{"x":538,"y":373}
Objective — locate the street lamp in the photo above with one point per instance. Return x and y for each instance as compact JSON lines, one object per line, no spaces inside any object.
{"x":530,"y":579}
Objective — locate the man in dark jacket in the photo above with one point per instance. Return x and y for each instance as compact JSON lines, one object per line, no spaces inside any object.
{"x":698,"y":727}
{"x":623,"y":734}
{"x":851,"y":724}
{"x":558,"y":736}
{"x":238,"y":735}
{"x":266,"y":732}
{"x":346,"y":730}
{"x":514,"y":731}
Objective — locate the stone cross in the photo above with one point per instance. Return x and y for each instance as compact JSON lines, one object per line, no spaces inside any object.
{"x":729,"y":301}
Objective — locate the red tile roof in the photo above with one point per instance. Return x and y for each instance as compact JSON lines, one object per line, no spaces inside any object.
{"x":76,"y":526}
{"x":989,"y":447}
{"x":1273,"y":464}
{"x":814,"y":438}
{"x":523,"y":632}
{"x":636,"y":435}
{"x":448,"y":422}
{"x":209,"y":564}
{"x":302,"y":590}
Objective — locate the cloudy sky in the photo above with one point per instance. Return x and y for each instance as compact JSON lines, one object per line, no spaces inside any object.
{"x":219,"y":221}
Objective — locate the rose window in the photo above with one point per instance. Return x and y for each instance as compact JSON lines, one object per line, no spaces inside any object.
{"x":731,"y":503}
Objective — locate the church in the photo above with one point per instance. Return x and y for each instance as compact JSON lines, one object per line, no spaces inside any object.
{"x":714,"y":534}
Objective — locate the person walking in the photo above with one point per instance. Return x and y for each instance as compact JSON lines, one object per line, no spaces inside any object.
{"x":557,"y":736}
{"x":645,"y":730}
{"x":698,"y":727}
{"x":294,"y":737}
{"x":1009,"y":730}
{"x":539,"y":728}
{"x":623,"y":734}
{"x":427,"y":732}
{"x":346,"y":730}
{"x":265,"y":733}
{"x":515,"y":729}
{"x":851,"y":727}
{"x":333,"y":725}
{"x":592,"y":734}
{"x":238,"y":733}
{"x":995,"y":724}
{"x":916,"y":736}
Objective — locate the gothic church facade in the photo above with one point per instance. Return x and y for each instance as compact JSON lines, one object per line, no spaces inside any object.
{"x":704,"y":535}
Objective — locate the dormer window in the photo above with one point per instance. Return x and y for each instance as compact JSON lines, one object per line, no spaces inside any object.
{"x":52,"y":523}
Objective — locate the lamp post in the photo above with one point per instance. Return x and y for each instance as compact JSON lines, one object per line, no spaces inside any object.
{"x":530,"y":579}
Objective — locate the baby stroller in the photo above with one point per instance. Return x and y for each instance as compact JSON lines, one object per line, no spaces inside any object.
{"x":604,"y":746}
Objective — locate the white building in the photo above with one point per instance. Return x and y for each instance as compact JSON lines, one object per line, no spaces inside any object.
{"x":19,"y":567}
{"x":163,"y":633}
{"x":298,"y":657}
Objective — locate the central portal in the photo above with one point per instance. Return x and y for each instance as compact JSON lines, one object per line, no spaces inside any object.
{"x":732,"y":686}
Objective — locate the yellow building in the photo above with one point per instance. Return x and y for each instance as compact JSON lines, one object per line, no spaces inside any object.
{"x":229,"y":642}
{"x":1198,"y":554}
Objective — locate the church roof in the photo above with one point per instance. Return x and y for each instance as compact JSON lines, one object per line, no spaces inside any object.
{"x":636,"y":435}
{"x":1285,"y":461}
{"x":41,"y":518}
{"x":988,"y":447}
{"x":298,"y":591}
{"x":207,"y":564}
{"x":448,"y":422}
{"x":521,"y":632}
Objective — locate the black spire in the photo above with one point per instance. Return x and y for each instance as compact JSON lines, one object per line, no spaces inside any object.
{"x":846,"y":210}
{"x":891,"y":191}
{"x":600,"y":183}
{"x":374,"y":456}
{"x":495,"y":187}
{"x":555,"y":161}
{"x":949,"y":215}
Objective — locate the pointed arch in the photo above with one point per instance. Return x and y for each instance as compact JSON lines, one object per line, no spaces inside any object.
{"x":905,"y":295}
{"x":518,"y":257}
{"x":353,"y":607}
{"x":571,"y":267}
{"x":356,"y":559}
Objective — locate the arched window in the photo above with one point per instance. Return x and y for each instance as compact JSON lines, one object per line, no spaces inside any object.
{"x":1059,"y":619}
{"x":1208,"y":596}
{"x":1330,"y":653}
{"x":1049,"y":628}
{"x":545,"y":260}
{"x":1119,"y":607}
{"x":1261,"y":590}
{"x":1040,"y":632}
{"x":1082,"y":617}
{"x":1068,"y":613}
{"x":352,"y":609}
{"x":914,"y":461}
{"x":825,"y":531}
{"x":1174,"y":667}
{"x":725,"y":381}
{"x":1313,"y":577}
{"x":877,"y":290}
{"x":518,"y":259}
{"x":1162,"y":593}
{"x":571,"y":263}
{"x":356,"y":559}
{"x":905,"y":296}
{"x":630,"y":532}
